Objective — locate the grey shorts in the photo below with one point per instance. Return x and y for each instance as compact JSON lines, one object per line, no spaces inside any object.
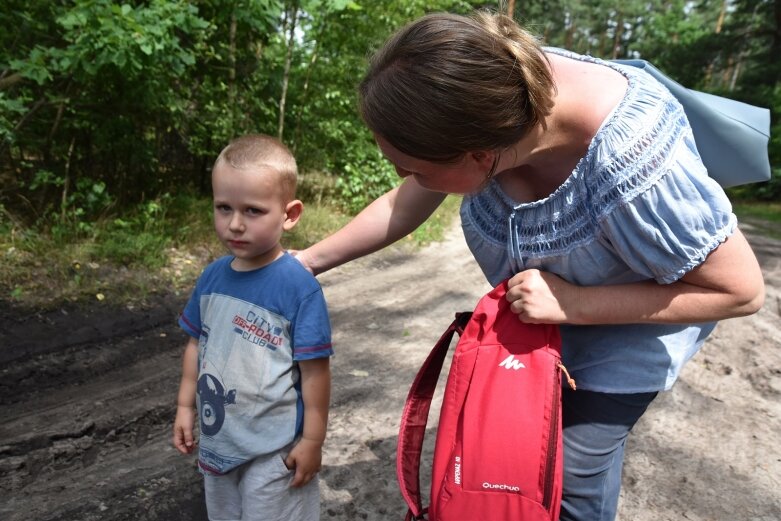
{"x":260,"y":490}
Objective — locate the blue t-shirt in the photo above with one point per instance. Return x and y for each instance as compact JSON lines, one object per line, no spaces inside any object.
{"x":252,"y":329}
{"x":638,"y":206}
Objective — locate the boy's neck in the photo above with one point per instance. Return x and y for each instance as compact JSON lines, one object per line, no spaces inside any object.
{"x":254,"y":263}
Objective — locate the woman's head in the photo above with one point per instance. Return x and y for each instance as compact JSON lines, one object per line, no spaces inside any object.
{"x":447,"y":84}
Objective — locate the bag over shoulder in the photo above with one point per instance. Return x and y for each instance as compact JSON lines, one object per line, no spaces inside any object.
{"x":731,"y":136}
{"x":498,"y":451}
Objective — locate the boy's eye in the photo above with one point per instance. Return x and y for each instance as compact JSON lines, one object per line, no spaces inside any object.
{"x":254,"y":211}
{"x":223,"y":207}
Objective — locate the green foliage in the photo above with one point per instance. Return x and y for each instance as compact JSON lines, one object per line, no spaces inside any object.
{"x":435,"y":226}
{"x":106,"y":107}
{"x":93,"y":79}
{"x":318,"y":221}
{"x":331,"y":63}
{"x":123,"y":256}
{"x":763,"y":217}
{"x":770,"y":212}
{"x":728,"y":48}
{"x":364,"y":179}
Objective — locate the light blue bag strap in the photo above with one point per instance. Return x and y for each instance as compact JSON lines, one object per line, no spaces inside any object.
{"x":731,"y":136}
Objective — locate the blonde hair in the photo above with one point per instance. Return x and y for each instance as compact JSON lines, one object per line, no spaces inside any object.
{"x":262,"y":151}
{"x":447,"y":84}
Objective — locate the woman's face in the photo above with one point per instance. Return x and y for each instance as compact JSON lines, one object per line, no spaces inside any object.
{"x":467,"y":175}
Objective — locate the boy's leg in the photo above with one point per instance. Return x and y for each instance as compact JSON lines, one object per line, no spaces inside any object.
{"x":223,"y":500}
{"x":267,"y":495}
{"x":596,"y":426}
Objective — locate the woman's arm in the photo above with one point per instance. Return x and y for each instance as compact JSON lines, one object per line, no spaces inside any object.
{"x":389,"y":218}
{"x":727,"y":284}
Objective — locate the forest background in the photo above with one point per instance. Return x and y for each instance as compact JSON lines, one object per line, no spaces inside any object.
{"x":112,"y":112}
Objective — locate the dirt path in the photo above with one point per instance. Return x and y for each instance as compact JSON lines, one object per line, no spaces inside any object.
{"x":87,"y":399}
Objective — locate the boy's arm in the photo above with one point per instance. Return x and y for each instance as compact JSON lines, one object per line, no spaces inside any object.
{"x":306,"y":456}
{"x":185,"y":403}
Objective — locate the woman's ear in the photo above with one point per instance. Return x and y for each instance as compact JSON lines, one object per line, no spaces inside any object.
{"x":293,"y":211}
{"x":484,"y":158}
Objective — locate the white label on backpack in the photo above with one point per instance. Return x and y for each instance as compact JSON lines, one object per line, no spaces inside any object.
{"x":457,"y":471}
{"x":501,"y":486}
{"x":511,"y":363}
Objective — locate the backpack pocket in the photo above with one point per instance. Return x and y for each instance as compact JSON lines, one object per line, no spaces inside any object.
{"x":505,"y":453}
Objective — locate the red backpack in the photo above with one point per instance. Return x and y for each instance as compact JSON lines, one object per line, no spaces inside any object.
{"x":498,"y":452}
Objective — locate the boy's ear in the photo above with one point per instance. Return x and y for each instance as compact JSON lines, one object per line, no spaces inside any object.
{"x":293,"y":211}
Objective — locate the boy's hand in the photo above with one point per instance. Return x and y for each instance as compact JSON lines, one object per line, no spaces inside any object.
{"x":183,"y":429}
{"x":305,"y":458}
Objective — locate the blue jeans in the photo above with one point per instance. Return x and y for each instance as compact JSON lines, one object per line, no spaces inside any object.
{"x":596,"y":426}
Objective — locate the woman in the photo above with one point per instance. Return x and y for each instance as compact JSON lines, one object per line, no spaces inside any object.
{"x":584,"y":187}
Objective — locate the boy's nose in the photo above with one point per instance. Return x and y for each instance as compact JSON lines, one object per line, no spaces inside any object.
{"x":236,"y":224}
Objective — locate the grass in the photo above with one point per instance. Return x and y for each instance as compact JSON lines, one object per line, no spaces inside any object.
{"x":161,"y":246}
{"x":164,"y":245}
{"x":763,"y":216}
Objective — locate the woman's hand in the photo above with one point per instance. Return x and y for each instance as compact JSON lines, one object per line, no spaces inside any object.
{"x":727,"y":284}
{"x":542,"y":298}
{"x":304,"y":258}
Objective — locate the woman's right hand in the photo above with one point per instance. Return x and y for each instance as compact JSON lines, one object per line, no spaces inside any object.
{"x":387,"y":219}
{"x":303,"y":257}
{"x":538,"y":297}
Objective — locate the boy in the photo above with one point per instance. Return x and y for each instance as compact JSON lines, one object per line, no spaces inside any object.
{"x":258,"y":361}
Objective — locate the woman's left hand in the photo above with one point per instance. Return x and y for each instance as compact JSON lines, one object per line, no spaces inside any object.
{"x":541,"y":298}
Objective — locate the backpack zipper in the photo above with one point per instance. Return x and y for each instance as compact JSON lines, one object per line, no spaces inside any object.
{"x":550,"y":457}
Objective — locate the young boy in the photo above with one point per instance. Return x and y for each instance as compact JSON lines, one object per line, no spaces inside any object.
{"x":258,"y":361}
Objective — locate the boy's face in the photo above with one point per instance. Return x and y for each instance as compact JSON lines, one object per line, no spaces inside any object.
{"x":250,"y":214}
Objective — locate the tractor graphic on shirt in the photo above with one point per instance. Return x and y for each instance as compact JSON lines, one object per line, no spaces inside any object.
{"x":213,"y":399}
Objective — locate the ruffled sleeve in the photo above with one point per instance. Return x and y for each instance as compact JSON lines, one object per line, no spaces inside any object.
{"x":672,"y":225}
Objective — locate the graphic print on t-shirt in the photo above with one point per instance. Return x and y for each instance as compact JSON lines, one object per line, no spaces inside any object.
{"x":247,"y":400}
{"x":213,"y":399}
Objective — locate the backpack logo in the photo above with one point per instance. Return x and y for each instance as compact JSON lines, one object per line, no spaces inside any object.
{"x":457,"y":471}
{"x":511,"y":363}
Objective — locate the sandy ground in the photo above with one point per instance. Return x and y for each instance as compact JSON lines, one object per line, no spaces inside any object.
{"x":87,"y":397}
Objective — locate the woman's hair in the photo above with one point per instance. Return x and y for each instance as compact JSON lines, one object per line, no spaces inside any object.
{"x":447,"y":84}
{"x":262,"y":151}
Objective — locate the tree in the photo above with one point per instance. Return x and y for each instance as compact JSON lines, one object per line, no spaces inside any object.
{"x":91,"y":82}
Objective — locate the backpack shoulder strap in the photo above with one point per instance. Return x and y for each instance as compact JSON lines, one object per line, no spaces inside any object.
{"x":415,"y":416}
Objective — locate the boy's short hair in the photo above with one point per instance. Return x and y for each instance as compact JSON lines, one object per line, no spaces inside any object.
{"x":262,"y":151}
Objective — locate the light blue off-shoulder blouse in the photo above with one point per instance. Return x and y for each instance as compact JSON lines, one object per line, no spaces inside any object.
{"x":638,"y":206}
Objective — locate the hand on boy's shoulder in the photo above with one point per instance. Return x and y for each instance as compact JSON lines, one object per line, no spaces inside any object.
{"x":303,"y":258}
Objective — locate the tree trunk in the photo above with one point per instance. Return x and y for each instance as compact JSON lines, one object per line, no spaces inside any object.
{"x":305,"y":89}
{"x":291,"y":29}
{"x":66,"y":182}
{"x":232,"y":70}
{"x":717,"y":30}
